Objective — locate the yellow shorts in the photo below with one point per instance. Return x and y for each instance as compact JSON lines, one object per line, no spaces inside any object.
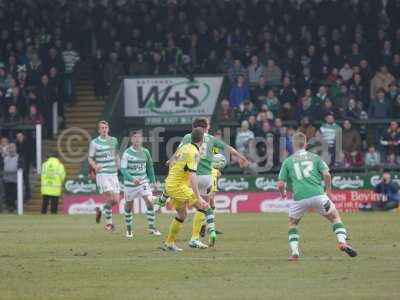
{"x":180,"y":196}
{"x":215,"y":174}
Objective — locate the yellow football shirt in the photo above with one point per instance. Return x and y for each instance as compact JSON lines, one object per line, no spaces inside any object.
{"x":187,"y":159}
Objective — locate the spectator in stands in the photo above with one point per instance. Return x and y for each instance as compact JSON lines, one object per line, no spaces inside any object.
{"x":395,"y":66}
{"x":287,"y":94}
{"x":321,"y":96}
{"x":239,"y":92}
{"x":388,"y":192}
{"x":272,"y":74}
{"x":11,"y":163}
{"x":358,"y":89}
{"x":351,"y":111}
{"x":4,"y":143}
{"x":351,"y":145}
{"x":211,"y":64}
{"x":26,"y":153}
{"x":272,"y":102}
{"x":346,"y":72}
{"x":34,"y":116}
{"x":381,"y":81}
{"x":12,"y":119}
{"x":139,"y":66}
{"x":379,"y":106}
{"x":392,"y":94}
{"x":259,"y":93}
{"x":53,"y":60}
{"x":172,"y":56}
{"x":255,"y":70}
{"x":306,"y":106}
{"x":98,"y":66}
{"x":70,"y":58}
{"x":326,"y":108}
{"x":254,"y":126}
{"x":372,"y":158}
{"x":112,"y":70}
{"x":244,"y":139}
{"x":46,"y":97}
{"x":307,"y":128}
{"x":35,"y":70}
{"x":236,"y":71}
{"x":56,"y":87}
{"x":355,"y":57}
{"x":396,"y":107}
{"x":329,"y":131}
{"x":366,"y":73}
{"x":390,"y":140}
{"x":246,"y":110}
{"x":226,"y":114}
{"x":157,"y":65}
{"x":227,"y":62}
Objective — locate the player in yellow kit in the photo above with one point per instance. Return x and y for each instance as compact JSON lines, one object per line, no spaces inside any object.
{"x":182,"y":188}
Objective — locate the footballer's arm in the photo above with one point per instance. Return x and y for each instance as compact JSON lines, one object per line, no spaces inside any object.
{"x":328,"y":183}
{"x":282,"y":189}
{"x":234,"y":152}
{"x":93,"y":164}
{"x":194,"y":184}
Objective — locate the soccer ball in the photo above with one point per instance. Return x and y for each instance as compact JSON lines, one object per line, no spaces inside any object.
{"x":218,"y":161}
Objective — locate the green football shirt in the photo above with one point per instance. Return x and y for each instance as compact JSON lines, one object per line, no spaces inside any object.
{"x":137,"y":163}
{"x":303,"y":171}
{"x":104,"y":153}
{"x":210,"y":143}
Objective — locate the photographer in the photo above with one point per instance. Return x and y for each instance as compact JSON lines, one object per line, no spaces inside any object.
{"x":389,"y":194}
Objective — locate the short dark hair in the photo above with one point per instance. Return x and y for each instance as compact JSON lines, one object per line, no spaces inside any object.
{"x":197,"y":135}
{"x":102,"y":122}
{"x":200,"y":122}
{"x":133,"y":132}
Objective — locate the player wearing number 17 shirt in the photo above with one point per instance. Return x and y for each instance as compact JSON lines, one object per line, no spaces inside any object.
{"x":304,"y":171}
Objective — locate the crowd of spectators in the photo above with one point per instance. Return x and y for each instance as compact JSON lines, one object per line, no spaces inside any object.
{"x":307,"y":63}
{"x":37,"y":68}
{"x":304,"y":62}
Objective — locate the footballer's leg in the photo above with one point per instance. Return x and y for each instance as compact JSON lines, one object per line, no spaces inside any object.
{"x":198,"y":220}
{"x":212,"y":205}
{"x":111,"y":188}
{"x":296,"y":211}
{"x":293,"y":236}
{"x":150,"y":214}
{"x":107,"y":211}
{"x":338,"y":228}
{"x":199,"y":225}
{"x":203,"y":205}
{"x":128,"y":217}
{"x":174,"y":228}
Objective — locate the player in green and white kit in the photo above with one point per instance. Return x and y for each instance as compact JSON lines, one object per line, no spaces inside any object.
{"x":104,"y":160}
{"x":305,"y":171}
{"x":138,"y":172}
{"x":204,"y":175}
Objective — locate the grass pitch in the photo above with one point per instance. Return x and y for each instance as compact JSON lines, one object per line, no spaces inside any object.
{"x":71,"y":257}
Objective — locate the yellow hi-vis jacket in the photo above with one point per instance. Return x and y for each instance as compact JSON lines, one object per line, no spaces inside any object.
{"x":53,"y":175}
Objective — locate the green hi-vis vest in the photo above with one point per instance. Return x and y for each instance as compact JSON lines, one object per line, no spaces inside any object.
{"x":53,"y":175}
